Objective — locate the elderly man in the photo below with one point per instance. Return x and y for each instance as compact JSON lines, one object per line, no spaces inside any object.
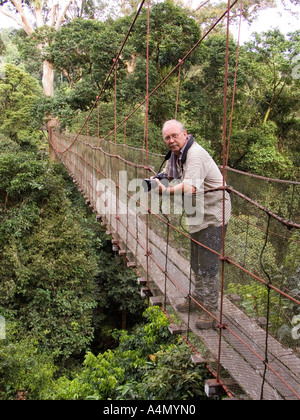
{"x":195,"y":169}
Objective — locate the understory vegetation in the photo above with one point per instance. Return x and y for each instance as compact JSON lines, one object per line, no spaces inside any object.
{"x":65,"y":295}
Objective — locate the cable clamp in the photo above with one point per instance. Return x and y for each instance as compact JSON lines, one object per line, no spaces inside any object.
{"x":222,"y":326}
{"x":225,"y":258}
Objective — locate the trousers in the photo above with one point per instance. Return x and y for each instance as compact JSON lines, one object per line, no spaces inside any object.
{"x":206,"y":266}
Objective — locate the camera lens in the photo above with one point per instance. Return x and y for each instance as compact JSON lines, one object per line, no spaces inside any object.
{"x":147,"y":185}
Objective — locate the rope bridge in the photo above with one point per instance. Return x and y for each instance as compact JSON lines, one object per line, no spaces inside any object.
{"x":254,"y":351}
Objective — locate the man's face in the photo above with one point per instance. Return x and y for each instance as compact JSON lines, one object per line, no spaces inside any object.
{"x":175,"y":138}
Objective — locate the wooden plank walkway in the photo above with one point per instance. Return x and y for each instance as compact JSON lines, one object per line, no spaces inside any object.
{"x":241,"y":364}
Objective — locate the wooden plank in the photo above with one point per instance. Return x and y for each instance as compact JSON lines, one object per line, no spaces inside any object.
{"x":235,"y":364}
{"x":282,"y":360}
{"x":156,"y":301}
{"x":177,"y":329}
{"x":197,"y":359}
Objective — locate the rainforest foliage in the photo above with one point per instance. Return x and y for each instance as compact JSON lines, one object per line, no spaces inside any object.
{"x":60,"y":284}
{"x":265,"y":127}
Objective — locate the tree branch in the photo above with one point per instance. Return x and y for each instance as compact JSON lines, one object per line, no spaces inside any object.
{"x":53,"y":14}
{"x":39,"y":17}
{"x":18,"y":6}
{"x":19,"y":22}
{"x":63,"y":15}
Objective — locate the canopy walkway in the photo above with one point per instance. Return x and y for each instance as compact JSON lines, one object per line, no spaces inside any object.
{"x":254,"y":352}
{"x":253,"y":335}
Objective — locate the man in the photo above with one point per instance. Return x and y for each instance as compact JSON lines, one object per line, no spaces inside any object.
{"x":195,"y":169}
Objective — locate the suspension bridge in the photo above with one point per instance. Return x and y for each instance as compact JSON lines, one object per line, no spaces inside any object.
{"x":254,"y":353}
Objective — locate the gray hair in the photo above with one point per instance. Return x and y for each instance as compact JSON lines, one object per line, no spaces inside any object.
{"x":179,"y":124}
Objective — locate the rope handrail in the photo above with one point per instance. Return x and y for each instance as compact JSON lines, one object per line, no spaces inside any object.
{"x":228,"y":168}
{"x":288,"y":223}
{"x":264,"y":178}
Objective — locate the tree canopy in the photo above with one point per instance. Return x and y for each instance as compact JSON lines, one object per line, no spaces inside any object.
{"x":267,"y":95}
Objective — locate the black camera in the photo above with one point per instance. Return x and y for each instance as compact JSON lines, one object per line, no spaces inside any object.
{"x":148,"y":184}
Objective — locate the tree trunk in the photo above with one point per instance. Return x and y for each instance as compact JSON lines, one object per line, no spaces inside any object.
{"x":267,"y":114}
{"x":48,"y":78}
{"x":48,"y":86}
{"x":51,"y":124}
{"x":124,"y":319}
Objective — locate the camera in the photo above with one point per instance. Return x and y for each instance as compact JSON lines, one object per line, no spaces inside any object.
{"x":148,"y":184}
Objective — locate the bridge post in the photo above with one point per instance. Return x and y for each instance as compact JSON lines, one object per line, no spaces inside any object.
{"x":51,"y":124}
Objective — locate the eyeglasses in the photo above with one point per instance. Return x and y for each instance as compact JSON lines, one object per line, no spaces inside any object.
{"x":172,"y":136}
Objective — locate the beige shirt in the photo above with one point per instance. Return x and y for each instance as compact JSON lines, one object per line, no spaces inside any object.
{"x":201,"y":171}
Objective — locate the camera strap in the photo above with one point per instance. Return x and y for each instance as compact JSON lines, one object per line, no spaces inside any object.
{"x":167,"y":157}
{"x":187,"y":148}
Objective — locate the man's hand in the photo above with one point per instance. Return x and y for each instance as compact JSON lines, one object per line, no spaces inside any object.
{"x":160,"y":188}
{"x":181,"y":188}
